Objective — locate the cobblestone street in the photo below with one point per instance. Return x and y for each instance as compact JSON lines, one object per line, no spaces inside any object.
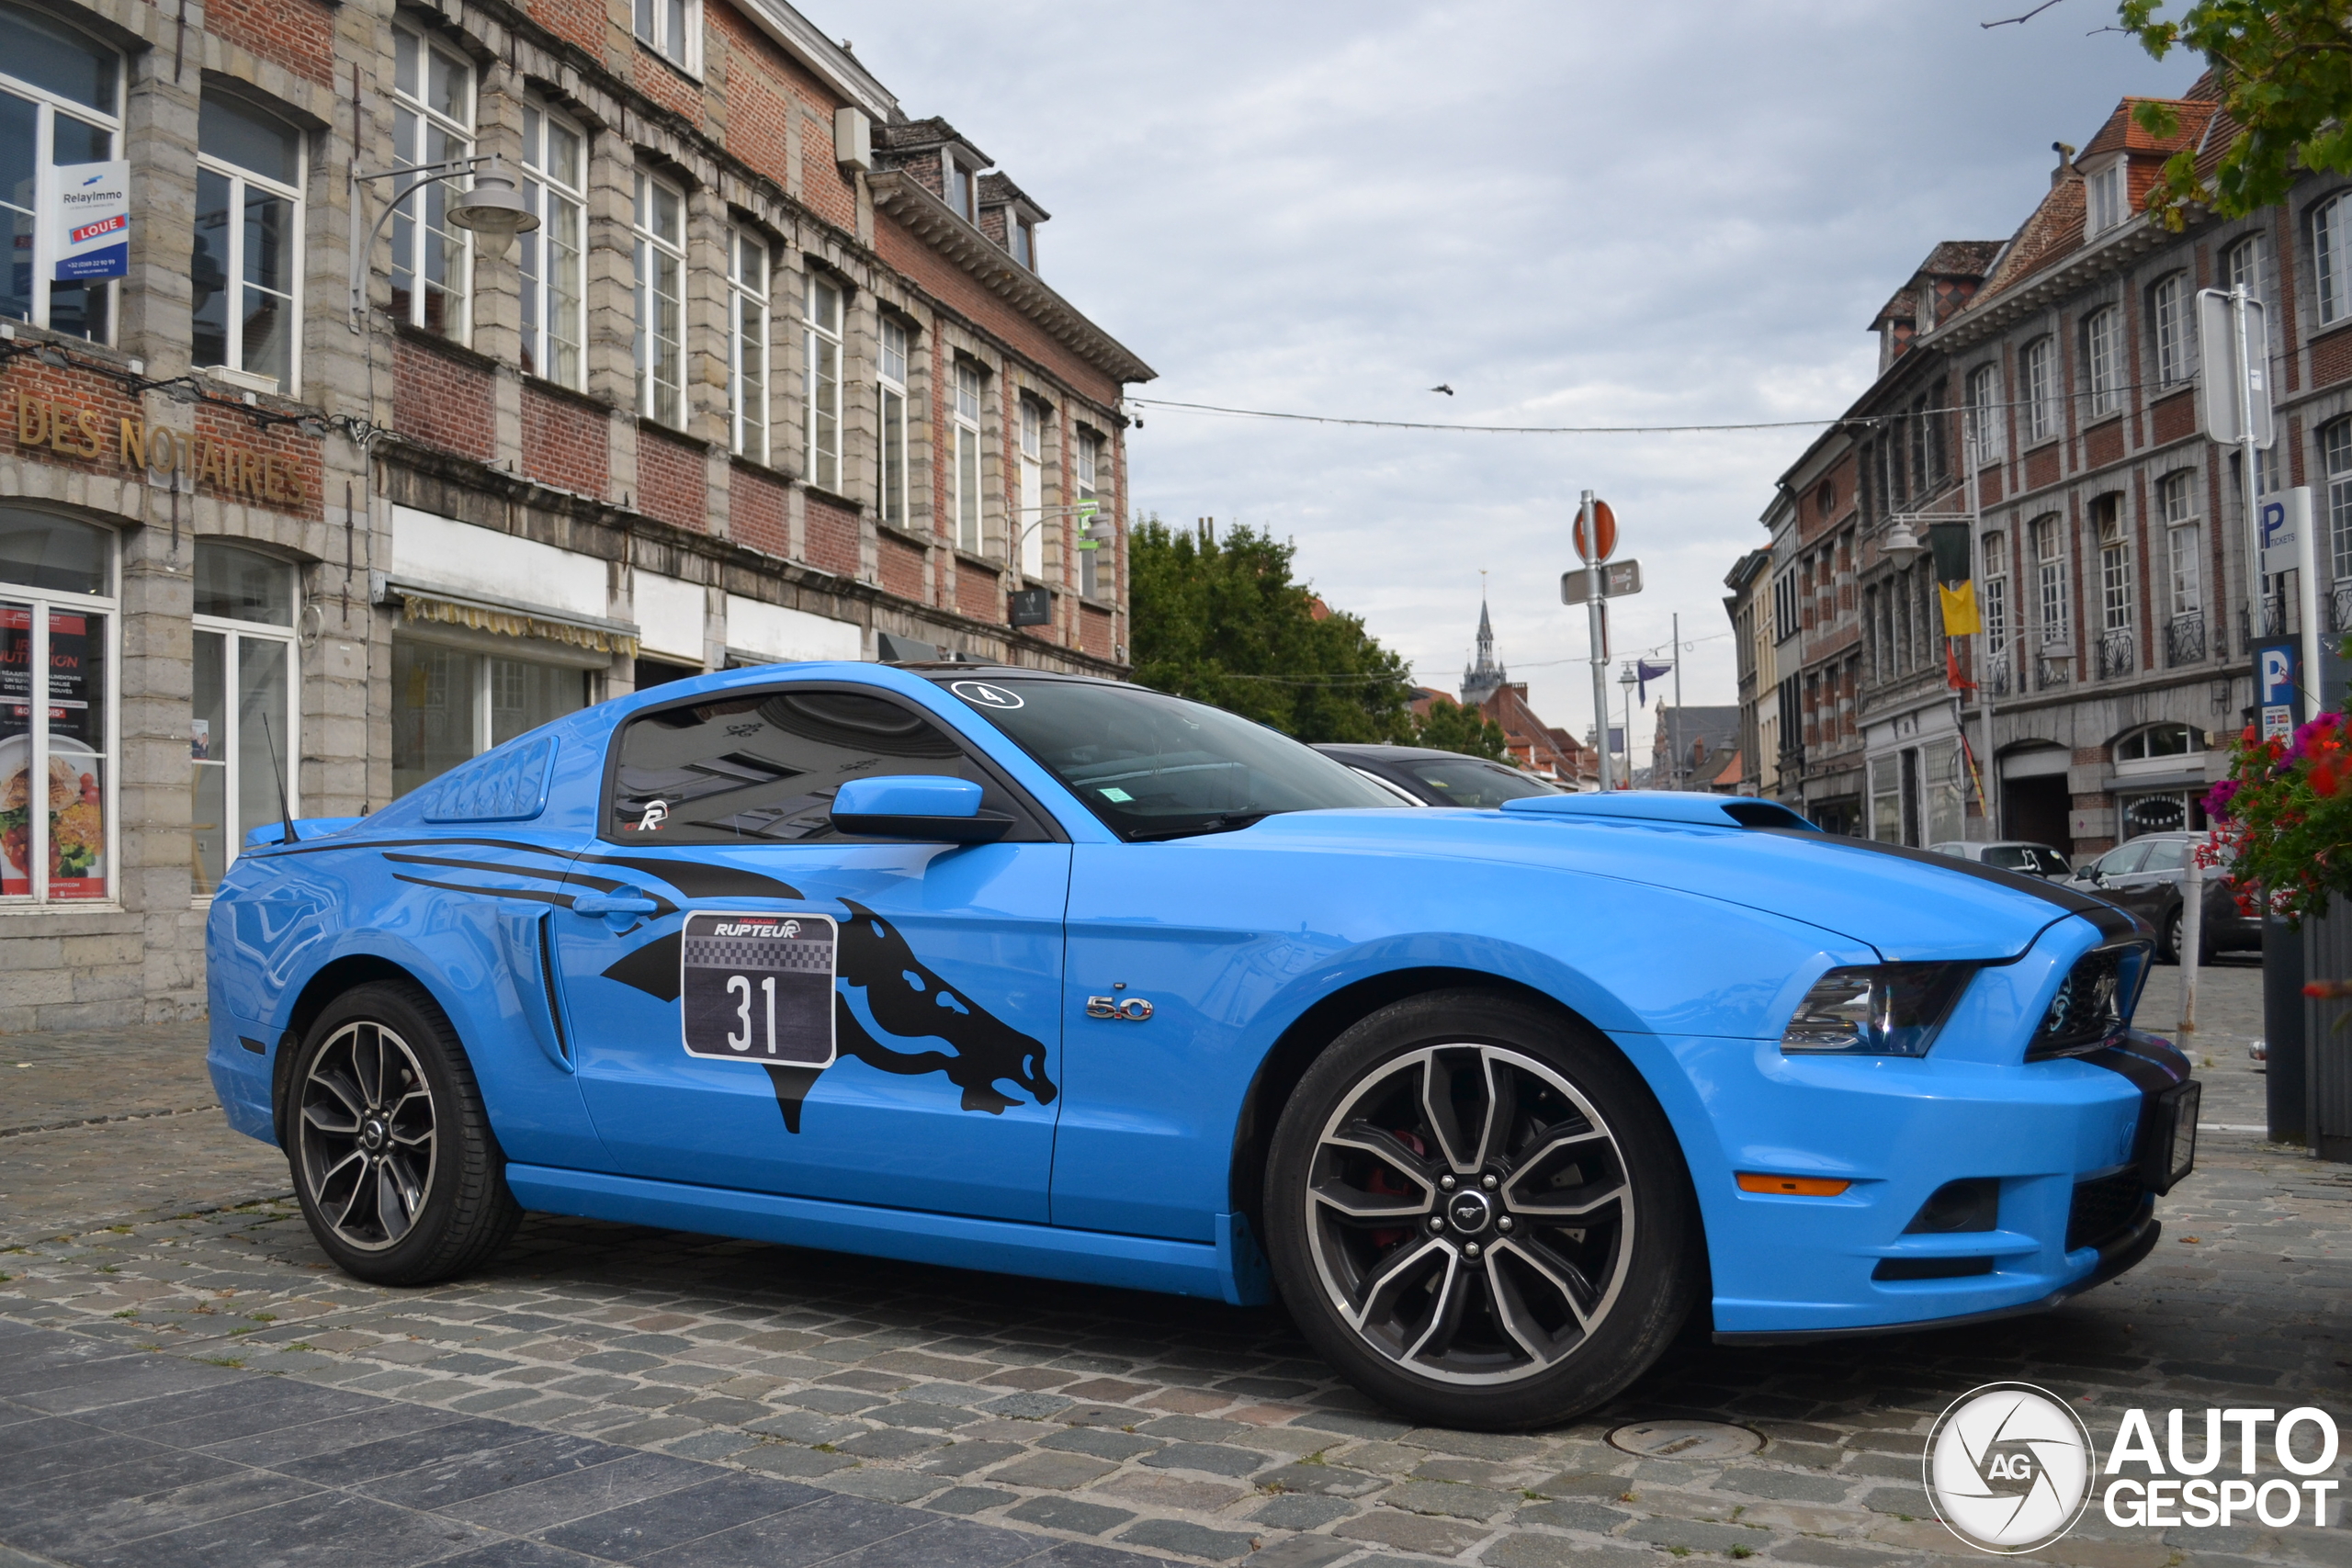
{"x":617,"y":1367}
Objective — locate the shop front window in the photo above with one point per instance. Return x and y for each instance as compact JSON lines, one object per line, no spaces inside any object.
{"x":451,"y":703}
{"x":57,"y":627}
{"x":244,"y":724}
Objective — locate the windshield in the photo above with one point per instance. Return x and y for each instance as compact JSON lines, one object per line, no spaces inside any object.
{"x":1467,"y":781}
{"x":2035,"y":860}
{"x":1152,"y":766}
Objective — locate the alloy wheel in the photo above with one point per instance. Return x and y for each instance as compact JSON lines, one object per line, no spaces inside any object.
{"x":1469,"y":1213}
{"x":366,"y":1135}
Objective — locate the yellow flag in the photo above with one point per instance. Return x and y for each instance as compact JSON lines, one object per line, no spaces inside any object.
{"x":1960,"y":609}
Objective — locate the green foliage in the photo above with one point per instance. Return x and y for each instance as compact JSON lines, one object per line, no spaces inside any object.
{"x":1223,"y":623}
{"x":1450,"y":727}
{"x":2286,"y":73}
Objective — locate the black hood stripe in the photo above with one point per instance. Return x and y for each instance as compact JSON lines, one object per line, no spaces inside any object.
{"x":2112,"y":922}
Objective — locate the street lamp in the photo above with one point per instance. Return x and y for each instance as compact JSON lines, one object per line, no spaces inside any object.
{"x":494,"y":209}
{"x":1625,"y":680}
{"x":1901,"y":545}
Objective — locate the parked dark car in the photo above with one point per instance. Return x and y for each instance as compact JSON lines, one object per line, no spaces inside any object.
{"x":2020,"y":855}
{"x":2147,"y":875}
{"x":1430,"y":777}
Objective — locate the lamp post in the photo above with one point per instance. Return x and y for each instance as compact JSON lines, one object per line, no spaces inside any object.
{"x":1625,"y":680}
{"x":493,"y":208}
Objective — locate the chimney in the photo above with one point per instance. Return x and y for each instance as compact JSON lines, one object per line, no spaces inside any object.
{"x":2065,"y":164}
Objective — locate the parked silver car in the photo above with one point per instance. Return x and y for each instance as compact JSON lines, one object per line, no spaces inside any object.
{"x":2020,"y":855}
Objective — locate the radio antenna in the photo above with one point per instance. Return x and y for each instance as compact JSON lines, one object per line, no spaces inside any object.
{"x":285,"y":812}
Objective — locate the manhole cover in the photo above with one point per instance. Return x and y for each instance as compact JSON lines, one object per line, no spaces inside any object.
{"x":1685,"y":1440}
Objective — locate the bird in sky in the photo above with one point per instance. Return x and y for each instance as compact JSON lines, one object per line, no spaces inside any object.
{"x":1441,"y":386}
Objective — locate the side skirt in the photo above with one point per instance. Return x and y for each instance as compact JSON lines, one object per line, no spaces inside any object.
{"x":1230,"y":1271}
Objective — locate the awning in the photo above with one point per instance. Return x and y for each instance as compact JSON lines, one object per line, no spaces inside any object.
{"x":421,"y":602}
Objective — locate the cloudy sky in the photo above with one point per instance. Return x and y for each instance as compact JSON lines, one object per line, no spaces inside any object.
{"x":1572,"y":213}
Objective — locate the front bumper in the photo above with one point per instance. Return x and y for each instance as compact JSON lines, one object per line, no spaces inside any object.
{"x":2067,"y":1141}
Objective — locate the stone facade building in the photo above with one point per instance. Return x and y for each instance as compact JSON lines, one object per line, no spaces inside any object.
{"x":775,"y":376}
{"x":2046,"y":385}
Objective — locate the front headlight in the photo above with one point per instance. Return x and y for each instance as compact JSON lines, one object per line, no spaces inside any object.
{"x":1878,"y":1010}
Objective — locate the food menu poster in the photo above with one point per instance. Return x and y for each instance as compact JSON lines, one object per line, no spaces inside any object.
{"x":73,"y":795}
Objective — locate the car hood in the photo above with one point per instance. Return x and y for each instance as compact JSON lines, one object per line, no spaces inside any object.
{"x":1909,"y":905}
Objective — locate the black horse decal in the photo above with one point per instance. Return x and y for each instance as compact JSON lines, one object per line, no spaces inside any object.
{"x":908,"y":1000}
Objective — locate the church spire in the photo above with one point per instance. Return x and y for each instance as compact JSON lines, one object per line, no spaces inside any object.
{"x":1485,"y":678}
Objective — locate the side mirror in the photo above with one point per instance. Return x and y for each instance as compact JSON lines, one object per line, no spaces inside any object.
{"x":929,"y":807}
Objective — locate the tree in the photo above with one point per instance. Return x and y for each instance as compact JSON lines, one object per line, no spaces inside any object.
{"x":2285,"y":69}
{"x":1450,"y":727}
{"x":1222,"y":622}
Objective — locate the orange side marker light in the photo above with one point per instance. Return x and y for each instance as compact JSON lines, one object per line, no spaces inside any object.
{"x":1792,"y":1186}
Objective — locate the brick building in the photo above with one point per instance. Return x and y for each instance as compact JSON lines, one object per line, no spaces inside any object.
{"x":2110,"y":558}
{"x":775,"y":376}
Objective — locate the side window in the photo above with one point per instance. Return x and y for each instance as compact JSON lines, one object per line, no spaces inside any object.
{"x":2170,"y":855}
{"x":2123,"y":861}
{"x":763,"y":767}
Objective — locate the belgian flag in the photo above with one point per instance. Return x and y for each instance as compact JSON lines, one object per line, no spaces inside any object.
{"x":1948,"y":546}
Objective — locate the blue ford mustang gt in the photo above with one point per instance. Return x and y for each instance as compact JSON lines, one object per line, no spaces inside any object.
{"x":1008,"y":970}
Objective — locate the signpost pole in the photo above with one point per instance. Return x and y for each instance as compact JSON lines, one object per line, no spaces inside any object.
{"x":1597,"y":620}
{"x":2248,"y":457}
{"x":1988,"y":774}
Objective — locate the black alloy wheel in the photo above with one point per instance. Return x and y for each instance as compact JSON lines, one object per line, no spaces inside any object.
{"x":394,"y":1163}
{"x":1475,"y":1209}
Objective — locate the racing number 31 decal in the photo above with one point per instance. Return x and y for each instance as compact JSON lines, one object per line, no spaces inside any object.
{"x":757,"y":987}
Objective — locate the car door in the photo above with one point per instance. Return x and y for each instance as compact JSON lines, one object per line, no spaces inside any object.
{"x":2116,"y":878}
{"x":764,"y":1003}
{"x":2156,"y":884}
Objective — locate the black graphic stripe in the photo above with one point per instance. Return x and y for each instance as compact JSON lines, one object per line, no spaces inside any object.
{"x":2111,"y":921}
{"x":602,"y":884}
{"x":693,"y":878}
{"x":652,"y":969}
{"x":534,"y":894}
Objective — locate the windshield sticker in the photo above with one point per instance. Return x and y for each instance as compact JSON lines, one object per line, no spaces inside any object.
{"x":979,"y":694}
{"x":1113,"y":792}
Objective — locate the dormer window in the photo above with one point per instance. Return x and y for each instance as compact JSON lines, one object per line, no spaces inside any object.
{"x":2103,"y":194}
{"x":1023,"y":236}
{"x":962,"y":182}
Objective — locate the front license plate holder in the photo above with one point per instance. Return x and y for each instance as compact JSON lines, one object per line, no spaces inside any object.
{"x":2170,"y":1153}
{"x":756,"y":986}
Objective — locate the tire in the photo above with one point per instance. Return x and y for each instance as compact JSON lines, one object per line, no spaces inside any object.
{"x":1429,"y":1264}
{"x":392,"y":1156}
{"x":2168,"y":939}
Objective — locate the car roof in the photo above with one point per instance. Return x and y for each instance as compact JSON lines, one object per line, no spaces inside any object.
{"x":1383,"y":752}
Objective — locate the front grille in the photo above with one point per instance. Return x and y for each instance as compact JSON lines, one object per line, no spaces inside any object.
{"x":2104,"y":1208}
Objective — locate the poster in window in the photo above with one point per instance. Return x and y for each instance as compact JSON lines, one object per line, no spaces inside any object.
{"x":71,"y":795}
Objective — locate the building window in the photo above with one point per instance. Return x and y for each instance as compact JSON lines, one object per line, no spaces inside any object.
{"x":451,"y":704}
{"x":433,"y":118}
{"x":1088,"y":460}
{"x":2042,"y":409}
{"x":1997,"y":592}
{"x":1031,"y":553}
{"x":2099,"y":369}
{"x":60,"y":96}
{"x":821,"y":313}
{"x":670,"y":29}
{"x":549,"y":260}
{"x":248,"y":236}
{"x":2243,"y":265}
{"x":2328,"y":241}
{"x":1785,"y":606}
{"x":2169,"y":304}
{"x":747,"y":343}
{"x":891,"y":380}
{"x":1984,"y":412}
{"x":2335,"y":450}
{"x":57,"y":789}
{"x":2114,"y":564}
{"x":2049,"y":584}
{"x":2103,"y":193}
{"x":967,"y":456}
{"x":963,"y":187}
{"x":658,"y":218}
{"x":1023,"y":235}
{"x":2177,"y":501}
{"x":243,"y":730}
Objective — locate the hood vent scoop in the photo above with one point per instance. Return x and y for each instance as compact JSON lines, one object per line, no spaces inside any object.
{"x":1665,"y":806}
